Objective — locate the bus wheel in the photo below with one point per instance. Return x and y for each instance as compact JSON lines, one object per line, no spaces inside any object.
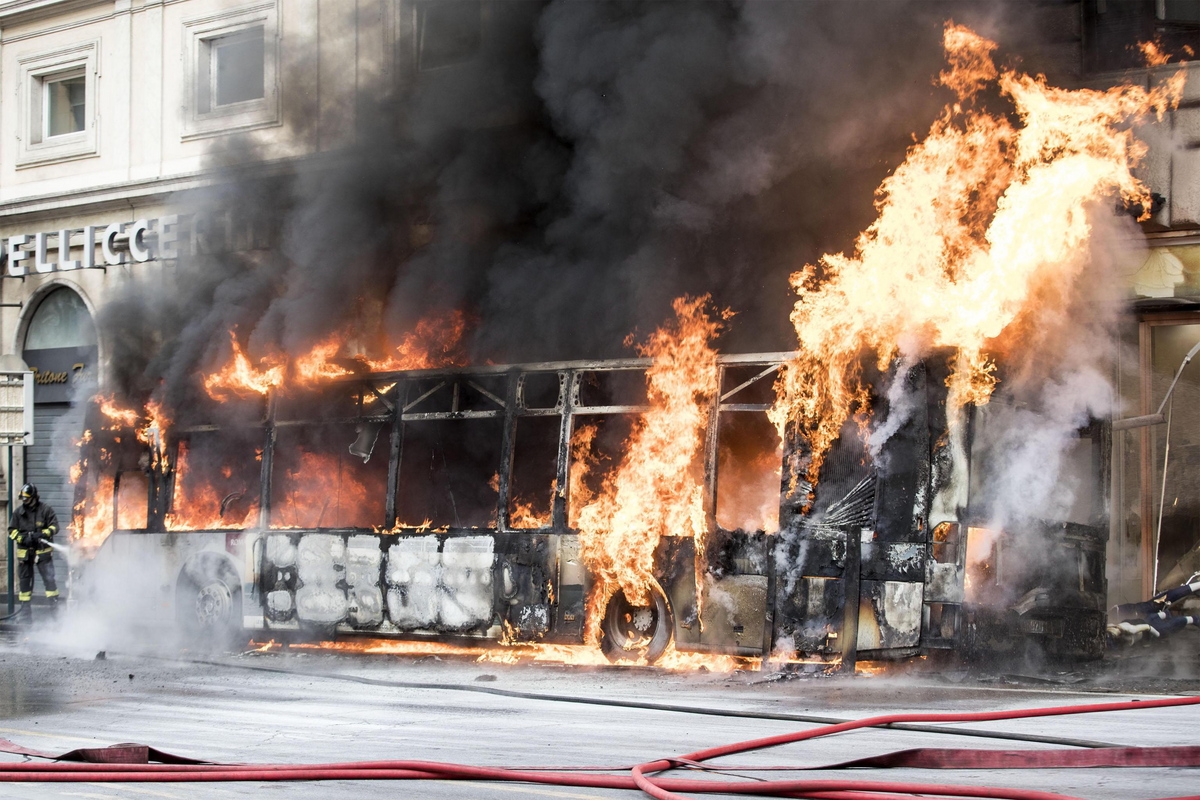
{"x":631,"y":633}
{"x":208,"y":603}
{"x":214,"y":605}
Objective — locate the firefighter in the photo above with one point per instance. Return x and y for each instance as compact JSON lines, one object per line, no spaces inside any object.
{"x":32,"y":526}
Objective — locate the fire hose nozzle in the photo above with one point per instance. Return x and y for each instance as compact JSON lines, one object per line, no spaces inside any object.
{"x":1158,"y":417}
{"x":1143,"y":421}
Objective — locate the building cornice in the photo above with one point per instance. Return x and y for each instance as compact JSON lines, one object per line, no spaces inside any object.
{"x":100,"y":198}
{"x":17,"y":12}
{"x":133,"y":194}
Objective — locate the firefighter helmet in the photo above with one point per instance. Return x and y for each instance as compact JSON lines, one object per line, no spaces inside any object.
{"x":29,"y":493}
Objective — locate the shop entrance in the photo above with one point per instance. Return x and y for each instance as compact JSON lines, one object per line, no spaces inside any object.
{"x":60,"y":347}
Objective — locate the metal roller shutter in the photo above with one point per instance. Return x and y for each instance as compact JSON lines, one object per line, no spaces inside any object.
{"x":49,"y":458}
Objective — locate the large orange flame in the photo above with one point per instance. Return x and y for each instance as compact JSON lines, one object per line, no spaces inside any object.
{"x":203,"y":501}
{"x":577,"y":655}
{"x":104,"y":504}
{"x":322,"y":490}
{"x":981,"y":218}
{"x":242,"y":377}
{"x":584,"y":462}
{"x":117,"y":417}
{"x":748,"y":498}
{"x":435,"y":341}
{"x":658,"y":487}
{"x":153,"y":434}
{"x":318,"y":365}
{"x":529,"y":514}
{"x":93,"y":519}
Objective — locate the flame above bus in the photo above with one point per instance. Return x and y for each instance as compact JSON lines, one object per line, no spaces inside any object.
{"x":985,"y":220}
{"x":435,"y":341}
{"x":658,"y":488}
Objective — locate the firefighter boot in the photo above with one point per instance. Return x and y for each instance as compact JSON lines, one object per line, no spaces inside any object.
{"x":24,"y":617}
{"x":52,"y":608}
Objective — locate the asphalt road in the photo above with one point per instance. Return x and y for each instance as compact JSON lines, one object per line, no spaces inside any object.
{"x":54,"y":697}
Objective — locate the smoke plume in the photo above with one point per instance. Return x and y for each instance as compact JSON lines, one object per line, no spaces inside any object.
{"x":592,"y":162}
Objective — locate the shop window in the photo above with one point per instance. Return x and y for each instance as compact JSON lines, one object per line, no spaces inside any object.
{"x":60,"y":320}
{"x":58,"y":106}
{"x":232,"y":81}
{"x":1155,"y":539}
{"x":1174,"y":474}
{"x":60,"y":347}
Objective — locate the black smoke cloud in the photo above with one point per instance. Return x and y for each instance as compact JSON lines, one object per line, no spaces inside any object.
{"x":590,"y":163}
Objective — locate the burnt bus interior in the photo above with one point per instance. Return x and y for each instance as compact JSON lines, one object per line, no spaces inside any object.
{"x":891,"y":555}
{"x":439,"y":503}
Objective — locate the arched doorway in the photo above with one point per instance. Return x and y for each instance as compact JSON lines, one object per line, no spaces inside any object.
{"x":60,"y":348}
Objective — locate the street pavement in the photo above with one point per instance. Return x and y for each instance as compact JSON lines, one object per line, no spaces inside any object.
{"x":238,"y":708}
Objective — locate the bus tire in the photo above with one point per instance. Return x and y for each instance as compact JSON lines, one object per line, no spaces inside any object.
{"x":637,"y":633}
{"x":208,"y":603}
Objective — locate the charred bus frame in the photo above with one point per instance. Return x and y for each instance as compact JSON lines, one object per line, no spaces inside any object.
{"x":862,"y":565}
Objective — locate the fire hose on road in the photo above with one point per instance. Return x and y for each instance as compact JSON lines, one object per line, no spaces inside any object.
{"x":649,"y":777}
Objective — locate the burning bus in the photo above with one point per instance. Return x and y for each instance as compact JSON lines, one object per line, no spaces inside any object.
{"x":926,"y":471}
{"x":645,"y":508}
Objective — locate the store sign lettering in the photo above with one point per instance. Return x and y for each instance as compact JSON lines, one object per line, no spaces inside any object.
{"x":42,"y":377}
{"x":103,"y":246}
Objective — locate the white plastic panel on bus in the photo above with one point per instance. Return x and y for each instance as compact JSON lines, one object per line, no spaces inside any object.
{"x":467,"y":595}
{"x":412,"y":576}
{"x":363,"y":559}
{"x":321,"y":563}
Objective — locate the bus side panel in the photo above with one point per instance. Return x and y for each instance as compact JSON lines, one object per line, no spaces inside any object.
{"x":133,"y":577}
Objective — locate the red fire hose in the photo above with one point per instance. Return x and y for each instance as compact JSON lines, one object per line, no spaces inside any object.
{"x":642,"y":776}
{"x":655,"y":789}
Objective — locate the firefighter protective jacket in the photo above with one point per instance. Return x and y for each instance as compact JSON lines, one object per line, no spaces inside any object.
{"x":40,"y":520}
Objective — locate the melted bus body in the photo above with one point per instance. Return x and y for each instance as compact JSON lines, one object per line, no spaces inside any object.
{"x":438,"y":504}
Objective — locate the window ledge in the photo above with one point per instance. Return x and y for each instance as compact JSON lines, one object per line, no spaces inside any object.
{"x":213,"y":125}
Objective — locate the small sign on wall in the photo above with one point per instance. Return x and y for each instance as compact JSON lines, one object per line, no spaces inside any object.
{"x":16,"y":408}
{"x":57,"y":371}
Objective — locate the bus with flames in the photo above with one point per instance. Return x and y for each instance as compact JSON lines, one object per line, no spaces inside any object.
{"x":444,"y":505}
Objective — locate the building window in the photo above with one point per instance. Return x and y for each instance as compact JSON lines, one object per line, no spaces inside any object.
{"x":64,"y":104}
{"x":1180,"y":11}
{"x":232,"y":82}
{"x":1112,"y":30}
{"x":232,"y":69}
{"x":58,"y":99}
